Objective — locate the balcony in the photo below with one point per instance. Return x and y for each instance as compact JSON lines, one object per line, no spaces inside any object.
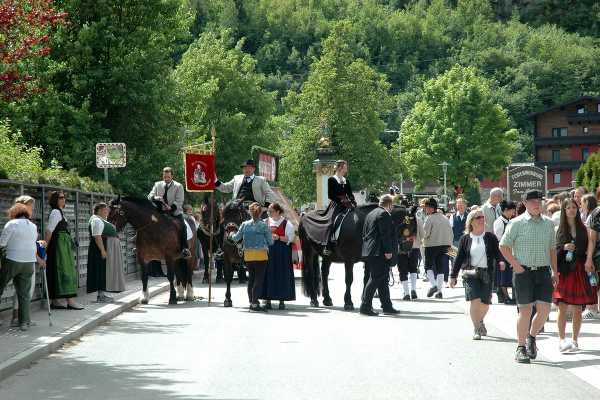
{"x":567,"y":164}
{"x":584,"y":118}
{"x":567,"y":140}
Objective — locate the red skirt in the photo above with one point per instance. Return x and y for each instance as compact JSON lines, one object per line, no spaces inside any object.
{"x":574,"y":287}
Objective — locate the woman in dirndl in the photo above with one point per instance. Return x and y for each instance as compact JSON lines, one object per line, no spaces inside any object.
{"x":573,"y":289}
{"x":105,"y":266}
{"x":61,"y":269}
{"x":279,"y":278}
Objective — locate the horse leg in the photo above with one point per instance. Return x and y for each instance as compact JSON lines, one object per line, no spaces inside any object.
{"x":241,"y":272}
{"x":189,"y":286}
{"x":325,"y":266}
{"x":206,"y":261}
{"x":171,"y":278}
{"x":348,"y":305}
{"x":314,"y":266}
{"x":145,"y":297}
{"x":228,"y":270}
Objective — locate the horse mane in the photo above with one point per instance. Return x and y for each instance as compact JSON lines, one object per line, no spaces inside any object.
{"x":139,"y":201}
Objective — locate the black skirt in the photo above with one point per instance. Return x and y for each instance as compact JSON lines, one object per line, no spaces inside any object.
{"x":279,"y":278}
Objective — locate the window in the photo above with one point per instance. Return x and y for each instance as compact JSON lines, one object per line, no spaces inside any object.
{"x":580,"y":109}
{"x":557,"y":178}
{"x":585,"y":153}
{"x":555,"y":155}
{"x":559,"y":132}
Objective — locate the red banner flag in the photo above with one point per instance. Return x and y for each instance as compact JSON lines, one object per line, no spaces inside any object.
{"x":199,"y":172}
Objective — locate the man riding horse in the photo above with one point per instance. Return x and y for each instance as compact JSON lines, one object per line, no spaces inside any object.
{"x":248,"y":188}
{"x":168,"y":196}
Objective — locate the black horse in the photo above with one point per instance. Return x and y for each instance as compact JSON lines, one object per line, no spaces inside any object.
{"x":207,"y":210}
{"x":157,"y":238}
{"x":234,"y":214}
{"x":347,"y":251}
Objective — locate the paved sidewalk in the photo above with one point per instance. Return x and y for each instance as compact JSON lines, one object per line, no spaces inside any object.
{"x":19,"y":349}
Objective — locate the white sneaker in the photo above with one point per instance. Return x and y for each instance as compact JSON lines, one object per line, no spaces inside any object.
{"x":565,"y":346}
{"x":574,"y":347}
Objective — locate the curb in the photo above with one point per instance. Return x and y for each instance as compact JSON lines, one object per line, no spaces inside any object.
{"x":25,"y":358}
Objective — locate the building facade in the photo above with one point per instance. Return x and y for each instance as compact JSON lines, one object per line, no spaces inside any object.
{"x":564,"y":137}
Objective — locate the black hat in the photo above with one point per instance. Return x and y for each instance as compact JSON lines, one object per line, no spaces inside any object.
{"x":248,"y":163}
{"x":431,"y":202}
{"x":533,"y":195}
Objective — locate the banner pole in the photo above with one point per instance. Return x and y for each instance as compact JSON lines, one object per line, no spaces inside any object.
{"x":211,"y":261}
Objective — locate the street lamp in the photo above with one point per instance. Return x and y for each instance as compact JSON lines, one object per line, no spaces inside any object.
{"x":445,"y":168}
{"x":399,"y":154}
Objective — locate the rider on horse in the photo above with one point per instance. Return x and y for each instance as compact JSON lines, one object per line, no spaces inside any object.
{"x":168,"y":196}
{"x":342,"y":199}
{"x":247,"y":187}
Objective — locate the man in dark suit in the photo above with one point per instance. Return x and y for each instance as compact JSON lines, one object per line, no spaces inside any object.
{"x":378,"y":250}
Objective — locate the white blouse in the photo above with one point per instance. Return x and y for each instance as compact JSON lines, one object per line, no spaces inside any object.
{"x":97,"y":225}
{"x":478,"y":255}
{"x":289,"y":228}
{"x":19,"y":237}
{"x":53,"y":220}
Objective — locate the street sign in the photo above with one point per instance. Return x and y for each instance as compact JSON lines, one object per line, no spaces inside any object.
{"x":524,"y":178}
{"x":111,"y":155}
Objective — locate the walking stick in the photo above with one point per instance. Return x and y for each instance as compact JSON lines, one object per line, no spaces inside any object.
{"x":47,"y":297}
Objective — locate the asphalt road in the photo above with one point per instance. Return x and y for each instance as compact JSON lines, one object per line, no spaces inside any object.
{"x":192,"y":351}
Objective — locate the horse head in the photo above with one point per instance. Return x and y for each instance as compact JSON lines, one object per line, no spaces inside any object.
{"x":117,"y":215}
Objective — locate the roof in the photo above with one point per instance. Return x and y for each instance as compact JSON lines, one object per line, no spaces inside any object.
{"x":577,"y":100}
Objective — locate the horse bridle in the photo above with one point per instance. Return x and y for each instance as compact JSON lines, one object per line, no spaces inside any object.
{"x":122,"y":213}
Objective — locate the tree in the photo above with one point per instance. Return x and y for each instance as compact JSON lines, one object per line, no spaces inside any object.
{"x":347,"y":98}
{"x":217,"y":85}
{"x":25,"y":27}
{"x":588,"y":174}
{"x":458,"y":122}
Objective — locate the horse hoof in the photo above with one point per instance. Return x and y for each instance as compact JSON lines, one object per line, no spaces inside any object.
{"x":227,"y":303}
{"x":327,"y":302}
{"x":204,"y":280}
{"x":172,"y":301}
{"x":144,"y":301}
{"x":348,"y":307}
{"x":314,"y":303}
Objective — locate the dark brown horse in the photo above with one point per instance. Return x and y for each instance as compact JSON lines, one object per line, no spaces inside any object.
{"x":234,"y":214}
{"x":157,"y":238}
{"x":347,"y":251}
{"x":207,"y":210}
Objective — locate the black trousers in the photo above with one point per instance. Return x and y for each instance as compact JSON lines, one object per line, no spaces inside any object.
{"x":408,"y":264}
{"x":256,"y":279}
{"x":435,"y":259}
{"x":379,"y":274}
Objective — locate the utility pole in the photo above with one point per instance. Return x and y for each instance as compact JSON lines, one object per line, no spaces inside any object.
{"x":445,"y":168}
{"x":399,"y":154}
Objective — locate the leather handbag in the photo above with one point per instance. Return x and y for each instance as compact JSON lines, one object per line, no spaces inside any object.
{"x":256,"y":255}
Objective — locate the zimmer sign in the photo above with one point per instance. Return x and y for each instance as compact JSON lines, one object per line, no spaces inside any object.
{"x":522,"y":179}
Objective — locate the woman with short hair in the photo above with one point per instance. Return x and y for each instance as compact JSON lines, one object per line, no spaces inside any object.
{"x":104,"y":267}
{"x":256,"y":238}
{"x":63,"y":279}
{"x":478,"y":252}
{"x":18,"y":242}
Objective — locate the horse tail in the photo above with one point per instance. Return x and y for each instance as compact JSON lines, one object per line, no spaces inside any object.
{"x":311,"y":274}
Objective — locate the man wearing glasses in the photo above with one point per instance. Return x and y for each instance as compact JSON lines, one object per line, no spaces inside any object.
{"x":529,"y":245}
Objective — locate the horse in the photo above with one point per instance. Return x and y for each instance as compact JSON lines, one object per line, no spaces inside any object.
{"x":206,"y":211}
{"x":347,"y":251}
{"x":234,"y":214}
{"x":157,"y":238}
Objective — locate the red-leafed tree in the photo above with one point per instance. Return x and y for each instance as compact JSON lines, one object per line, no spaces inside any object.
{"x":25,"y":26}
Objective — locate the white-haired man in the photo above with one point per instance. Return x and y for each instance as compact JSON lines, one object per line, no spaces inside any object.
{"x":491,"y":208}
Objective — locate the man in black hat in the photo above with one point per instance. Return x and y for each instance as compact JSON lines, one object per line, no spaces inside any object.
{"x":529,"y":246}
{"x":248,"y":187}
